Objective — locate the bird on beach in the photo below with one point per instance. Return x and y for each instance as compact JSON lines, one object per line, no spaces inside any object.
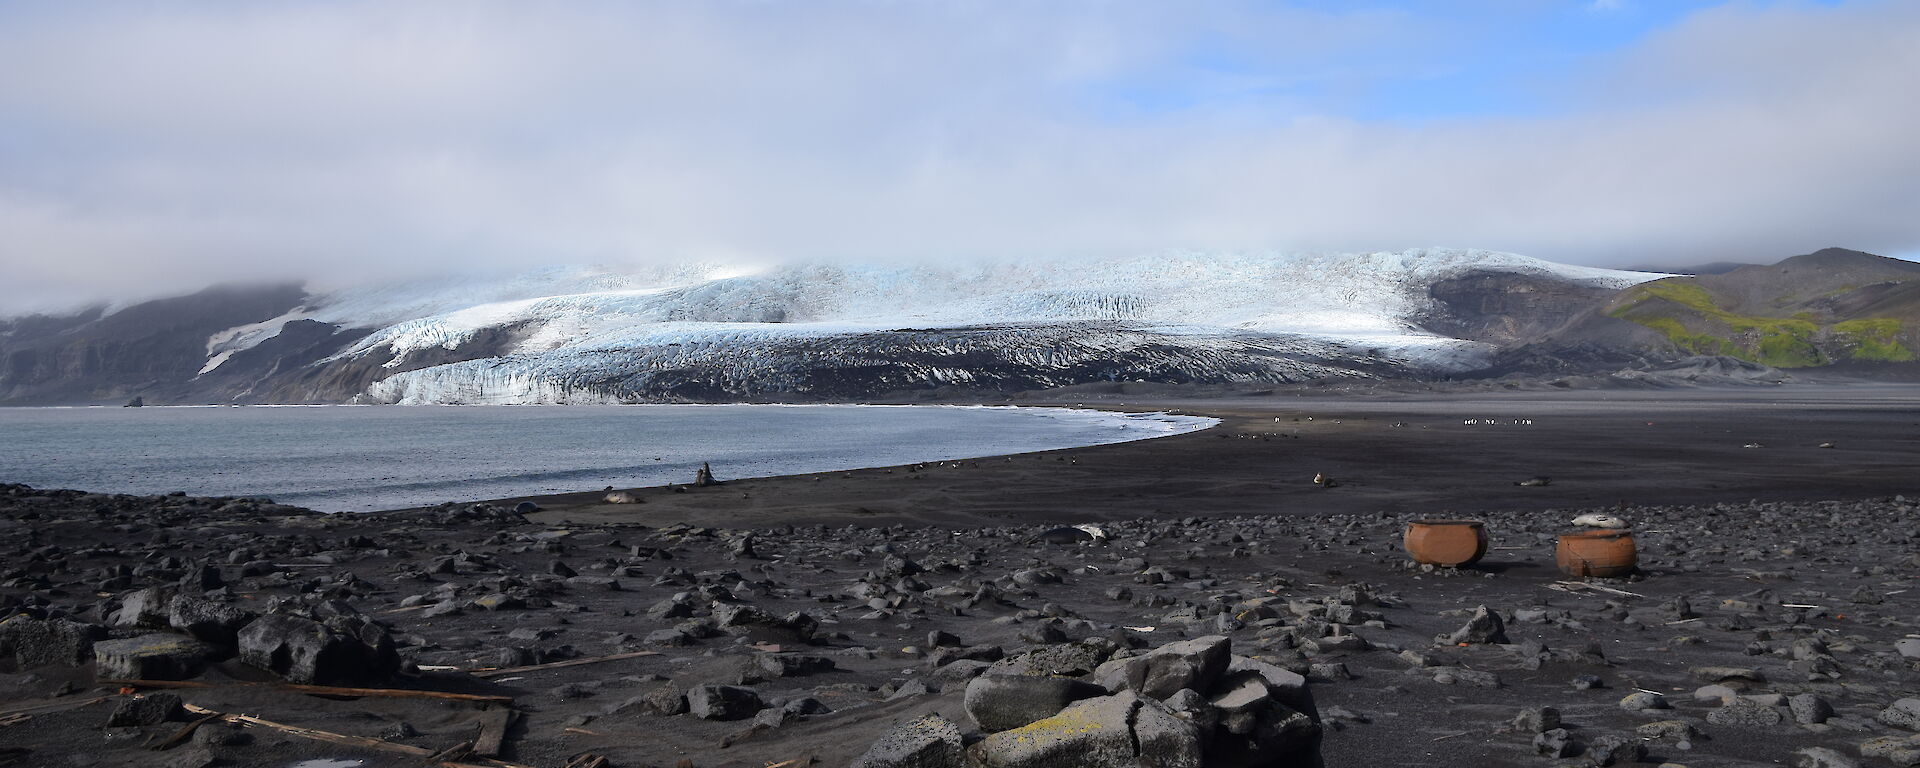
{"x":1074,"y":534}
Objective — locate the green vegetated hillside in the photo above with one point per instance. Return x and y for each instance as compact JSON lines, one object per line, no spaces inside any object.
{"x":1825,"y":308}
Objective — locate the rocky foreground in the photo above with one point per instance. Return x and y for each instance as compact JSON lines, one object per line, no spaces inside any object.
{"x":194,"y":632}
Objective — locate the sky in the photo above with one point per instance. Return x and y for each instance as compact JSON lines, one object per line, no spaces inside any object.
{"x":153,"y":147}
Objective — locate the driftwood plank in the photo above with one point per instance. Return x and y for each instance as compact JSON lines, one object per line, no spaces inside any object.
{"x":493,"y":731}
{"x":186,"y":732}
{"x":316,"y":734}
{"x":320,"y":690}
{"x":330,"y":737}
{"x":498,"y":671}
{"x":56,"y":706}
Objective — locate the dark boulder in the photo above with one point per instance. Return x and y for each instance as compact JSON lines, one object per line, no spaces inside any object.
{"x":145,"y":608}
{"x":760,"y":626}
{"x":929,"y":742}
{"x":151,"y":709}
{"x":776,"y":665}
{"x":1063,"y":659}
{"x":329,"y":645}
{"x":1192,"y":664}
{"x":1004,"y":702}
{"x":723,"y":702}
{"x":217,"y":623}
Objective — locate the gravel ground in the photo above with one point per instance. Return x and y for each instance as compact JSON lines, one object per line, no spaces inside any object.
{"x":854,"y":603}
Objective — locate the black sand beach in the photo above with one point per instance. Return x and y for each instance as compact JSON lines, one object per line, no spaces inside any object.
{"x":1781,"y":573}
{"x":1398,"y":453}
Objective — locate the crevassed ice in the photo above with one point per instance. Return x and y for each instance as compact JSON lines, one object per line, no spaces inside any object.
{"x":566,"y":318}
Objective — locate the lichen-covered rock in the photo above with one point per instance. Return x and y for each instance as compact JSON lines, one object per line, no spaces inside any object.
{"x":1061,"y":659}
{"x":1675,"y":730}
{"x":48,"y":642}
{"x":1899,"y":750}
{"x":1641,"y":701}
{"x":664,"y":701}
{"x":1119,"y":731}
{"x":150,"y":657}
{"x":1809,"y":709}
{"x":929,"y":742}
{"x":1746,"y":713}
{"x":1823,"y":757}
{"x":1904,"y":713}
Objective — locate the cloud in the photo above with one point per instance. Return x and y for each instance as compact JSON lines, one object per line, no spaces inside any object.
{"x":157,"y":147}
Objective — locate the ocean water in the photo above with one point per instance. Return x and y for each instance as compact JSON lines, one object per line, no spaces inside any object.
{"x":367,"y":458}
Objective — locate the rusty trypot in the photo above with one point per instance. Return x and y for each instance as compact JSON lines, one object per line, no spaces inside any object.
{"x":1450,"y":543}
{"x":1604,"y":553}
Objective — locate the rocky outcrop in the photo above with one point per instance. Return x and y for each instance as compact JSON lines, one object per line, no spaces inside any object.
{"x":1185,"y":704}
{"x":1506,"y":308}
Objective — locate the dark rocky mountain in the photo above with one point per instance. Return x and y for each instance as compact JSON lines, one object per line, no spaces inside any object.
{"x":154,"y":348}
{"x":1506,"y":308}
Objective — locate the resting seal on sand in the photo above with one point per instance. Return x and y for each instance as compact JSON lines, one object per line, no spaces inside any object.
{"x":1073,"y":534}
{"x":1600,"y":521}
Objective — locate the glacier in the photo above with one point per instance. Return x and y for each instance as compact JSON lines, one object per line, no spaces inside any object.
{"x":827,"y":329}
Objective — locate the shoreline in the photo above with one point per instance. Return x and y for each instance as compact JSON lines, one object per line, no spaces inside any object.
{"x":359,"y":459}
{"x":1601,"y":448}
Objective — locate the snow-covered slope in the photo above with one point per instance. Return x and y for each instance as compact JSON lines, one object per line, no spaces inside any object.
{"x":713,"y":331}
